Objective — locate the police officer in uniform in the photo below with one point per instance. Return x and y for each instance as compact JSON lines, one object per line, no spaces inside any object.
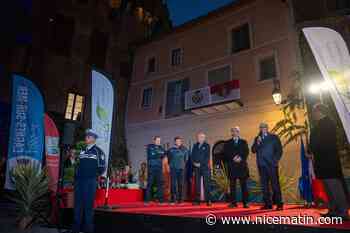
{"x":200,"y":158}
{"x":91,"y":164}
{"x":155,"y":155}
{"x":177,"y":157}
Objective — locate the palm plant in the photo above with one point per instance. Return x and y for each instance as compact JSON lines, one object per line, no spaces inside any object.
{"x":31,"y":193}
{"x":221,"y":179}
{"x":289,"y":128}
{"x":287,"y":182}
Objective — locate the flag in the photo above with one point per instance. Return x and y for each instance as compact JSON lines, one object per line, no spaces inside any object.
{"x":26,"y":142}
{"x":52,"y":152}
{"x":305,"y":181}
{"x":102,"y":111}
{"x":333,"y":59}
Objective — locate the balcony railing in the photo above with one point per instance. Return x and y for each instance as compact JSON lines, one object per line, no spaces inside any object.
{"x":211,"y":99}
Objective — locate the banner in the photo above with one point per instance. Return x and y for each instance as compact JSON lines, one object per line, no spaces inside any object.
{"x":27,"y":126}
{"x":332,"y":57}
{"x":52,"y":152}
{"x":221,"y":93}
{"x":102,"y":111}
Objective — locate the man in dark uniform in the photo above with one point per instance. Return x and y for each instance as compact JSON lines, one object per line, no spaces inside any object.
{"x":323,"y":148}
{"x":155,"y":155}
{"x":177,"y":157}
{"x":268,"y":149}
{"x":200,"y":158}
{"x":91,"y":164}
{"x":236,"y":152}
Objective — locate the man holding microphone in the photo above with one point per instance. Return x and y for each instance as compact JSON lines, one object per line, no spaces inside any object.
{"x":268,"y":150}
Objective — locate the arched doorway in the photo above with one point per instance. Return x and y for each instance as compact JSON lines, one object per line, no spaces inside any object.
{"x":218,"y":153}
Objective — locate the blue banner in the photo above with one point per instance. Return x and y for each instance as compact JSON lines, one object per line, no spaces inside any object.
{"x":26,"y":141}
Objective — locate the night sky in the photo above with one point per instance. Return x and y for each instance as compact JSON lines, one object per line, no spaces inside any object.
{"x":182,"y":11}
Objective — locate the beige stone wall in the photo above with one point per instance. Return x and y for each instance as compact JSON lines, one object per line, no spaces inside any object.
{"x":217,"y":127}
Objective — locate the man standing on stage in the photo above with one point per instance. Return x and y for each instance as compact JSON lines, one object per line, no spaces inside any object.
{"x":91,"y":164}
{"x":177,"y":156}
{"x":323,"y":148}
{"x":155,"y":155}
{"x":268,"y":149}
{"x":236,"y":152}
{"x":200,"y":158}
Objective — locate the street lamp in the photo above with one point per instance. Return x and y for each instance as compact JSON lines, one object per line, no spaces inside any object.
{"x":276,"y":93}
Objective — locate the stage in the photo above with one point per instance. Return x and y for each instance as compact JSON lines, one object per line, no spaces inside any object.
{"x":135,"y":217}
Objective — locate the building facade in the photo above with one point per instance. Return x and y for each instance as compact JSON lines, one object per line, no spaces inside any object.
{"x":248,"y":44}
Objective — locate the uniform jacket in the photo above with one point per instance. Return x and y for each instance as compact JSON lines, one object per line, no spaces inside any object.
{"x":323,"y":145}
{"x":92,"y":163}
{"x":201,"y":154}
{"x":177,"y":157}
{"x":269,"y":152}
{"x":155,"y":154}
{"x":240,"y":148}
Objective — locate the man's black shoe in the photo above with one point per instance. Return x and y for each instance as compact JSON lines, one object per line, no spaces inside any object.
{"x":246,"y":206}
{"x":232,"y":205}
{"x":196,"y":203}
{"x":266,"y":207}
{"x":279,"y":207}
{"x":209,"y":203}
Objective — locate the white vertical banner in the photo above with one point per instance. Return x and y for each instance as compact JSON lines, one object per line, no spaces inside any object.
{"x":333,"y":59}
{"x":102,"y":111}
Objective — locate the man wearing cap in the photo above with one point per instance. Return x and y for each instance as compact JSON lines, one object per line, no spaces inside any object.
{"x":236,"y":152}
{"x":268,"y":150}
{"x":91,"y":164}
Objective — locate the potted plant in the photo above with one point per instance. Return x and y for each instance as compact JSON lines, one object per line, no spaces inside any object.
{"x":31,"y":194}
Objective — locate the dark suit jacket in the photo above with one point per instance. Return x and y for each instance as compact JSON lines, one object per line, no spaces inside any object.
{"x":201,"y":154}
{"x":323,"y":145}
{"x":231,"y":149}
{"x":269,"y":152}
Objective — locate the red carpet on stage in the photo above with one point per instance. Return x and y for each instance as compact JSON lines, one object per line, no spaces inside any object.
{"x":186,"y":210}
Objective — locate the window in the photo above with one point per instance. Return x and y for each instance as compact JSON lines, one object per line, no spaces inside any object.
{"x":147,"y":95}
{"x":219,"y":75}
{"x":176,"y":57}
{"x":151,"y":65}
{"x":175,"y":99}
{"x":267,"y":68}
{"x":74,"y":107}
{"x":240,"y":38}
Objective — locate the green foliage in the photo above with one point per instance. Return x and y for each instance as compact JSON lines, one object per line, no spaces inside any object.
{"x":289,"y":128}
{"x":31,"y":191}
{"x":79,"y":146}
{"x":287,"y":183}
{"x":220,"y":177}
{"x":68,"y":177}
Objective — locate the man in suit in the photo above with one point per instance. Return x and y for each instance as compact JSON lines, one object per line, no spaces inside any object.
{"x":268,"y":149}
{"x":155,"y":155}
{"x":200,"y":158}
{"x":323,"y":150}
{"x":91,"y":164}
{"x":236,"y":152}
